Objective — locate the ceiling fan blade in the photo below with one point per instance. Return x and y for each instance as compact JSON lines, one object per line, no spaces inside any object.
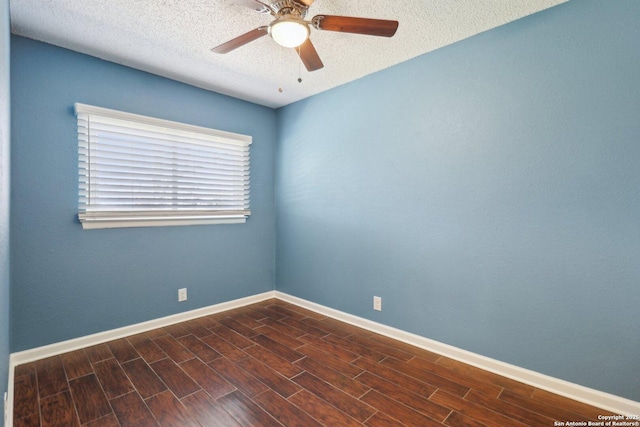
{"x":346,"y":24}
{"x":241,"y":40}
{"x":306,"y":2}
{"x":256,"y":5}
{"x":309,"y":56}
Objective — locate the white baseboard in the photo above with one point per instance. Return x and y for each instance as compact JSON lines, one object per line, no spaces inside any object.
{"x":610,"y":402}
{"x":38,"y":353}
{"x":607,"y":401}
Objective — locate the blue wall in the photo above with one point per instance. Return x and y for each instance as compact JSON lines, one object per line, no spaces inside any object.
{"x":489,"y":192}
{"x":4,"y":197}
{"x":69,"y":282}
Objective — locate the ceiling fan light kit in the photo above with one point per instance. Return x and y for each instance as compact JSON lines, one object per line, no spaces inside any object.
{"x":289,"y":29}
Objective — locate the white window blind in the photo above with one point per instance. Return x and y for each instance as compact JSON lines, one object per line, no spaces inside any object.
{"x":141,"y":171}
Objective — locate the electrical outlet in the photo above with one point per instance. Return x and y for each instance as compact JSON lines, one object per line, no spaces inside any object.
{"x":377,"y":303}
{"x":182,"y":294}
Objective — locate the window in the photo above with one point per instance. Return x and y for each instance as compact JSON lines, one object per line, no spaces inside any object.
{"x":139,"y":171}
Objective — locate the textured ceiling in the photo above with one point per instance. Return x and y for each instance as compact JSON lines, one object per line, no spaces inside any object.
{"x":173,"y":38}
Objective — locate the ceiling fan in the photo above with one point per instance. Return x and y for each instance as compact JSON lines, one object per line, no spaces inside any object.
{"x":289,"y":28}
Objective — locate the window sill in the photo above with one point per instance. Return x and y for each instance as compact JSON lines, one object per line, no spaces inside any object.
{"x":90,"y":222}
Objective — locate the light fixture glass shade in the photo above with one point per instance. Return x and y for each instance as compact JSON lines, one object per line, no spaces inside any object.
{"x":289,"y":32}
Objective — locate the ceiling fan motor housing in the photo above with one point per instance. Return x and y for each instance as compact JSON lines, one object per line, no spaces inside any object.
{"x":289,"y":7}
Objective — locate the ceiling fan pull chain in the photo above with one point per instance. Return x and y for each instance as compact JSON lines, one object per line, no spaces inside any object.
{"x":299,"y":72}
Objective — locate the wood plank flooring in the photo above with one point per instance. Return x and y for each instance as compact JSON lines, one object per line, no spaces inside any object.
{"x":273,"y":364}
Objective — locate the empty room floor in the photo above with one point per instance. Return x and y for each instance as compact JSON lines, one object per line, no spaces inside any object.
{"x":273,"y":364}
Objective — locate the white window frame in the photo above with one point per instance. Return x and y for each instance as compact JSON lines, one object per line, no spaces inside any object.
{"x":93,"y":214}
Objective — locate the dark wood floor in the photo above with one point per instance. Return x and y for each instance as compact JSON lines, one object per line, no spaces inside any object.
{"x":273,"y":364}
